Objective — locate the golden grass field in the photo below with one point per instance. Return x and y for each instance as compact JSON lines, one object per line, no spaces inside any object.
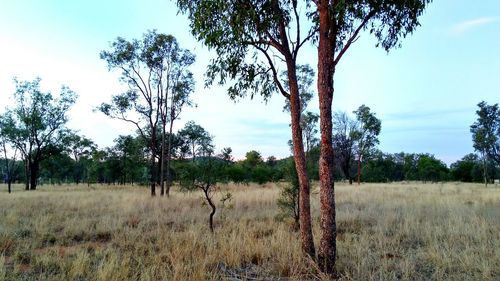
{"x":399,"y":231}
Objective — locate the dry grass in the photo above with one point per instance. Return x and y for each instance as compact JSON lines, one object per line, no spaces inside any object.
{"x":385,"y":232}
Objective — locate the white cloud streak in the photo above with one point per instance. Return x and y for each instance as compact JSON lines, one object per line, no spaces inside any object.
{"x":463,"y":27}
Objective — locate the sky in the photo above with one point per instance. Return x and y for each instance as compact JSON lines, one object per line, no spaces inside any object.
{"x":425,"y":93}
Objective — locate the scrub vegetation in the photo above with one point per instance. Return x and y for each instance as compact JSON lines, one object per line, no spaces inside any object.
{"x":398,"y":231}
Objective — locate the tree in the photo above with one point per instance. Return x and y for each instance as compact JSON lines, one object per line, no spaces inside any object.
{"x":129,"y":152}
{"x":486,"y":135}
{"x":367,"y":135}
{"x":431,"y":169}
{"x":179,"y":84}
{"x":289,"y":197}
{"x":252,"y":159}
{"x":203,"y":175}
{"x":339,"y":24}
{"x":36,"y":123}
{"x":155,"y":71}
{"x":80,"y":148}
{"x":346,"y":132}
{"x":10,"y":162}
{"x":196,"y":139}
{"x":462,"y":170}
{"x":309,"y":124}
{"x":247,"y":37}
{"x":226,"y":155}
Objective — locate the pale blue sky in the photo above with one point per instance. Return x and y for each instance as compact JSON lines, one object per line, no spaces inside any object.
{"x":425,"y":93}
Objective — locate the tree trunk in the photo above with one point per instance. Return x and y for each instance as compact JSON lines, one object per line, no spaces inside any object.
{"x":33,"y":175}
{"x":326,"y":70}
{"x":169,"y":155}
{"x":212,"y":205}
{"x":359,"y":170}
{"x":9,"y":182}
{"x":162,"y":159}
{"x":27,"y":174}
{"x":300,"y":165}
{"x":152,"y":176}
{"x":485,"y":171}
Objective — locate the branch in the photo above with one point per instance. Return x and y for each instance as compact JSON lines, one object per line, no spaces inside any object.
{"x":275,"y":73}
{"x":297,"y":19}
{"x":354,"y":36}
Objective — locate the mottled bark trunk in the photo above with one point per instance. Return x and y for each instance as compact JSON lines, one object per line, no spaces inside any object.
{"x":300,"y":165}
{"x":326,"y":69}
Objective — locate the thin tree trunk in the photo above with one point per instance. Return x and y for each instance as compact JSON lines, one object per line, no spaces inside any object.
{"x":162,"y":159}
{"x":326,"y":69}
{"x":9,"y":182}
{"x":152,"y":176}
{"x":300,"y":165}
{"x":359,"y":170}
{"x":33,"y":175}
{"x":169,"y":155}
{"x":485,"y":172}
{"x":212,"y":205}
{"x":27,"y":174}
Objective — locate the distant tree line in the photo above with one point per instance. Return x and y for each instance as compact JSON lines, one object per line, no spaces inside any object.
{"x":126,"y":163}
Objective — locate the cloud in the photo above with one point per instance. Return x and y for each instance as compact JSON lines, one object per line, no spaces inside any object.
{"x":462,"y":27}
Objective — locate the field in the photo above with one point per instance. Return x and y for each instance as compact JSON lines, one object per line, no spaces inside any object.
{"x":403,"y":231}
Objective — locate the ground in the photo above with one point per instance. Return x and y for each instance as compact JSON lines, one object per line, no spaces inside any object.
{"x":398,"y":231}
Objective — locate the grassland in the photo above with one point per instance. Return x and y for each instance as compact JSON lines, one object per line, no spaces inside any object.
{"x":406,"y":231}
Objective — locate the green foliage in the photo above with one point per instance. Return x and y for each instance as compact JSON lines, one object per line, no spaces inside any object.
{"x":462,"y":170}
{"x":196,"y":140}
{"x":288,"y":202}
{"x":252,"y":159}
{"x":431,"y":169}
{"x":305,"y":79}
{"x":36,"y":122}
{"x":486,"y":131}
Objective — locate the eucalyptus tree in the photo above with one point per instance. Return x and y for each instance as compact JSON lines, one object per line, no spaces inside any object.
{"x":486,"y":135}
{"x":248,"y":34}
{"x":339,"y":24}
{"x":179,"y":84}
{"x":80,"y":148}
{"x":155,"y":71}
{"x":345,"y":134}
{"x":36,"y":123}
{"x":9,"y":161}
{"x":367,"y":135}
{"x":196,"y":138}
{"x":254,"y":43}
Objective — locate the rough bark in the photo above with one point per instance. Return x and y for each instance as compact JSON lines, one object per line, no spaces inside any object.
{"x":326,"y":69}
{"x":300,"y":165}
